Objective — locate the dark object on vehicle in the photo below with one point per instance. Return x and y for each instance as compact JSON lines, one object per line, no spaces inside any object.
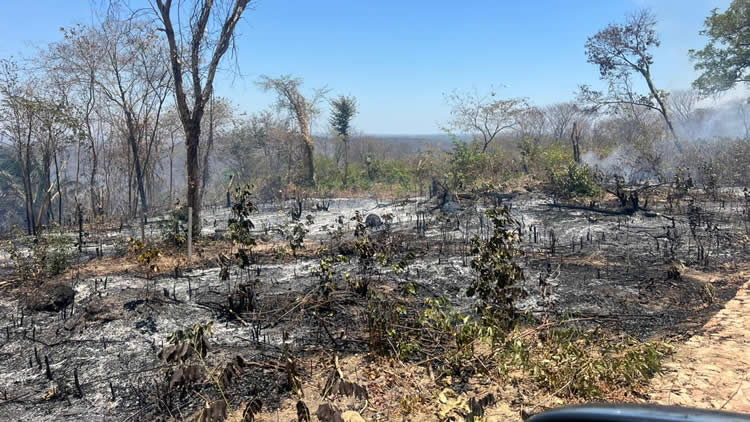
{"x":635,"y":413}
{"x":373,"y":221}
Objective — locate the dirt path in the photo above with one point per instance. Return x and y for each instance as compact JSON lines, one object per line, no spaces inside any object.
{"x":711,"y":370}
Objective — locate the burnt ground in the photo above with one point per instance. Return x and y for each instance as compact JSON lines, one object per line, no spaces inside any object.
{"x":653,"y":275}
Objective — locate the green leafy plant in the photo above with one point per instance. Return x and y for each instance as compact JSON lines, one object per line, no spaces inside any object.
{"x":145,"y":254}
{"x":296,"y":237}
{"x":576,"y":363}
{"x":575,"y":181}
{"x":326,"y":272}
{"x":390,"y":332}
{"x":40,"y":256}
{"x":174,"y":229}
{"x":239,"y":225}
{"x":498,"y":273}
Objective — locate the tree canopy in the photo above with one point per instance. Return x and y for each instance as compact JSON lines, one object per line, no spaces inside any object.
{"x":725,"y":60}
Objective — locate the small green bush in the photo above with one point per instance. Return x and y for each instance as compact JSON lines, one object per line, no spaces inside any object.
{"x":576,"y":181}
{"x":498,"y":273}
{"x":42,"y":256}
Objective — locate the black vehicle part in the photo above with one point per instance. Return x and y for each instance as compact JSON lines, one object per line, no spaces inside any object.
{"x":635,"y":413}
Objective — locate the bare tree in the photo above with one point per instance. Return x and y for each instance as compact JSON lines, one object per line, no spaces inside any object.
{"x":18,"y":116}
{"x":619,"y":50}
{"x":134,"y":79}
{"x":684,"y":107}
{"x":78,"y":60}
{"x":218,"y":117}
{"x":303,"y":110}
{"x":532,"y":123}
{"x":484,"y":116}
{"x":195,"y":51}
{"x":561,"y":117}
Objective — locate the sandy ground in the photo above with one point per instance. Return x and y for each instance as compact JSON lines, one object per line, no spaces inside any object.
{"x":711,"y":369}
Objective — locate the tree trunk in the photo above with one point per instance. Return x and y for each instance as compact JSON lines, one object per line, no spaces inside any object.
{"x":308,"y":150}
{"x":171,"y":173}
{"x":346,"y":161}
{"x":59,"y":193}
{"x":207,"y":153}
{"x":662,"y":109}
{"x":193,"y":174}
{"x":575,"y":139}
{"x":92,"y":178}
{"x":27,"y":193}
{"x":46,"y":203}
{"x":138,"y":173}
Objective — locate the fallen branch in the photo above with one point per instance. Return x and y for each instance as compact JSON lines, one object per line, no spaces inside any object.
{"x":626,"y":211}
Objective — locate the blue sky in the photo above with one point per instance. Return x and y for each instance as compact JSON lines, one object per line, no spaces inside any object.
{"x":399,"y":57}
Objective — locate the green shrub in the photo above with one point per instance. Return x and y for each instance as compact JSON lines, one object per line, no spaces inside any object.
{"x":239,"y":225}
{"x":575,"y":363}
{"x":174,"y":229}
{"x":575,"y":181}
{"x":497,"y":269}
{"x":42,"y":256}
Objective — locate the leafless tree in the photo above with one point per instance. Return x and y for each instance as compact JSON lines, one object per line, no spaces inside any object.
{"x":484,"y":116}
{"x":196,"y":46}
{"x":133,"y":79}
{"x":217,"y":119}
{"x":303,"y":109}
{"x":18,"y":114}
{"x":561,"y":117}
{"x":532,"y":123}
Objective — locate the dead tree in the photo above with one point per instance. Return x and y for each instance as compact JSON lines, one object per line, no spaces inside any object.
{"x":575,"y":139}
{"x":302,"y":109}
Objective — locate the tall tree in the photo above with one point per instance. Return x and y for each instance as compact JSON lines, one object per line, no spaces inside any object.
{"x":620,"y":50}
{"x":725,"y":60}
{"x":135,"y":80}
{"x":18,"y":119}
{"x":484,"y":116}
{"x":218,"y":117}
{"x":561,"y":117}
{"x":78,"y":61}
{"x":343,"y":110}
{"x":195,"y":51}
{"x":290,"y":98}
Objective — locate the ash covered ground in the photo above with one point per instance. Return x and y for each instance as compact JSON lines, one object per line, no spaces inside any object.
{"x":650,"y":274}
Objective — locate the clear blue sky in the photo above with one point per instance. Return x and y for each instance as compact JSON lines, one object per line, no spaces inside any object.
{"x":398,"y":57}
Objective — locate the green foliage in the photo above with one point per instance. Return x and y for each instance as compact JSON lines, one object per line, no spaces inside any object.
{"x":682,"y":183}
{"x":240,"y":225}
{"x":587,"y":365}
{"x":343,"y":110}
{"x":296,"y":237}
{"x":41,"y":256}
{"x":710,"y":177}
{"x":498,"y":273}
{"x":567,"y":362}
{"x":576,"y":181}
{"x":725,"y":60}
{"x":396,"y":173}
{"x":326,"y":272}
{"x":174,"y":229}
{"x":145,"y":254}
{"x":456,"y":330}
{"x":553,"y":157}
{"x":530,"y":152}
{"x":387,"y":322}
{"x":466,"y":164}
